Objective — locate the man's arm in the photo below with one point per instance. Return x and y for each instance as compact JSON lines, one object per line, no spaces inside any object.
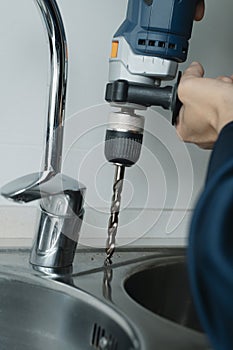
{"x":210,"y":258}
{"x":206,"y":119}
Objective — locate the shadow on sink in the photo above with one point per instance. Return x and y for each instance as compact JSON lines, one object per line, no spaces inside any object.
{"x":164,"y":290}
{"x":36,"y":316}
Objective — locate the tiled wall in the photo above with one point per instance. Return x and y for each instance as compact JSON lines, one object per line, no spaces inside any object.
{"x":169,"y":174}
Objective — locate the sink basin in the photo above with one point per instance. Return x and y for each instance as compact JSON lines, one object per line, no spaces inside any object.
{"x":164,"y":290}
{"x":50,"y":316}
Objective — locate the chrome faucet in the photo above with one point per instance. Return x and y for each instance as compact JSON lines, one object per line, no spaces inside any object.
{"x":61,"y":197}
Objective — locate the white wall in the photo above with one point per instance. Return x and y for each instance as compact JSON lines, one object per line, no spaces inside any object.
{"x":165,"y":176}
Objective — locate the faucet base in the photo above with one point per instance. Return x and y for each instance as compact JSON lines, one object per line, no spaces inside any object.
{"x":63,"y":273}
{"x":58,"y":233}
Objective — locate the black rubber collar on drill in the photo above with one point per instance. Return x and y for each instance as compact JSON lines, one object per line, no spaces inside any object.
{"x":123,"y":147}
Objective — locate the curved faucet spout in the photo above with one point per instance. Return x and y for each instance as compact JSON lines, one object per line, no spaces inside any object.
{"x":58,"y":82}
{"x":61,"y":197}
{"x":19,"y":190}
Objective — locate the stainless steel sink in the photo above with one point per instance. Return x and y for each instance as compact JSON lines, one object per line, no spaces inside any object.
{"x":163,"y":289}
{"x":50,"y":316}
{"x":141,"y":302}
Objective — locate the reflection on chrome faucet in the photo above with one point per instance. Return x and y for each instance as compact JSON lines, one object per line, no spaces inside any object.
{"x":61,"y":197}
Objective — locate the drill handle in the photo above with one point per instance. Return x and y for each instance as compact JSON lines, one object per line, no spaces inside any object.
{"x":122,"y":92}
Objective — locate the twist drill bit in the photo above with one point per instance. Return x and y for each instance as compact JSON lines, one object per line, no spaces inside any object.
{"x":115,"y":209}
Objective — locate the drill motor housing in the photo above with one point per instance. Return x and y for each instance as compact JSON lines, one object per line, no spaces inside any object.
{"x":159,"y":28}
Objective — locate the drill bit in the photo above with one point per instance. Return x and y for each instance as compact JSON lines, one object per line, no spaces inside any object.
{"x":115,"y":209}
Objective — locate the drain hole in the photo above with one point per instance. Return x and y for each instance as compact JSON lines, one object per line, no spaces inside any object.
{"x":100,"y":340}
{"x":93,"y":335}
{"x":98,"y":336}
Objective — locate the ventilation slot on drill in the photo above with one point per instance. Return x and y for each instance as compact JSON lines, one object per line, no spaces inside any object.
{"x":162,"y":44}
{"x":172,"y":46}
{"x":100,"y":340}
{"x":142,"y":42}
{"x":152,"y":42}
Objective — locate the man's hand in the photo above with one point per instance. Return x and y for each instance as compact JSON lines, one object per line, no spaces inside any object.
{"x":200,"y":10}
{"x":207,"y":106}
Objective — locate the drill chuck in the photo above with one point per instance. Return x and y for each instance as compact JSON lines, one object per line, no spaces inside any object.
{"x":124,"y":138}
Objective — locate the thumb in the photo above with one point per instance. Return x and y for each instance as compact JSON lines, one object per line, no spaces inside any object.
{"x":195,"y":70}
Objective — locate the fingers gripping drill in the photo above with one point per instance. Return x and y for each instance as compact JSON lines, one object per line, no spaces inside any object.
{"x":146,"y":51}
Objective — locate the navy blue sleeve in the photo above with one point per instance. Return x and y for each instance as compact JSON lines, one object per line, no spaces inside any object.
{"x":210,"y":249}
{"x":223,"y":151}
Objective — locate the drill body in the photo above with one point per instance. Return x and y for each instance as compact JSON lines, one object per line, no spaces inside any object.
{"x":146,"y":50}
{"x":151,"y":41}
{"x":159,"y":28}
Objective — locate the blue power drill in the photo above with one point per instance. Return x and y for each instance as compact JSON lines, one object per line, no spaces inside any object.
{"x":146,"y":51}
